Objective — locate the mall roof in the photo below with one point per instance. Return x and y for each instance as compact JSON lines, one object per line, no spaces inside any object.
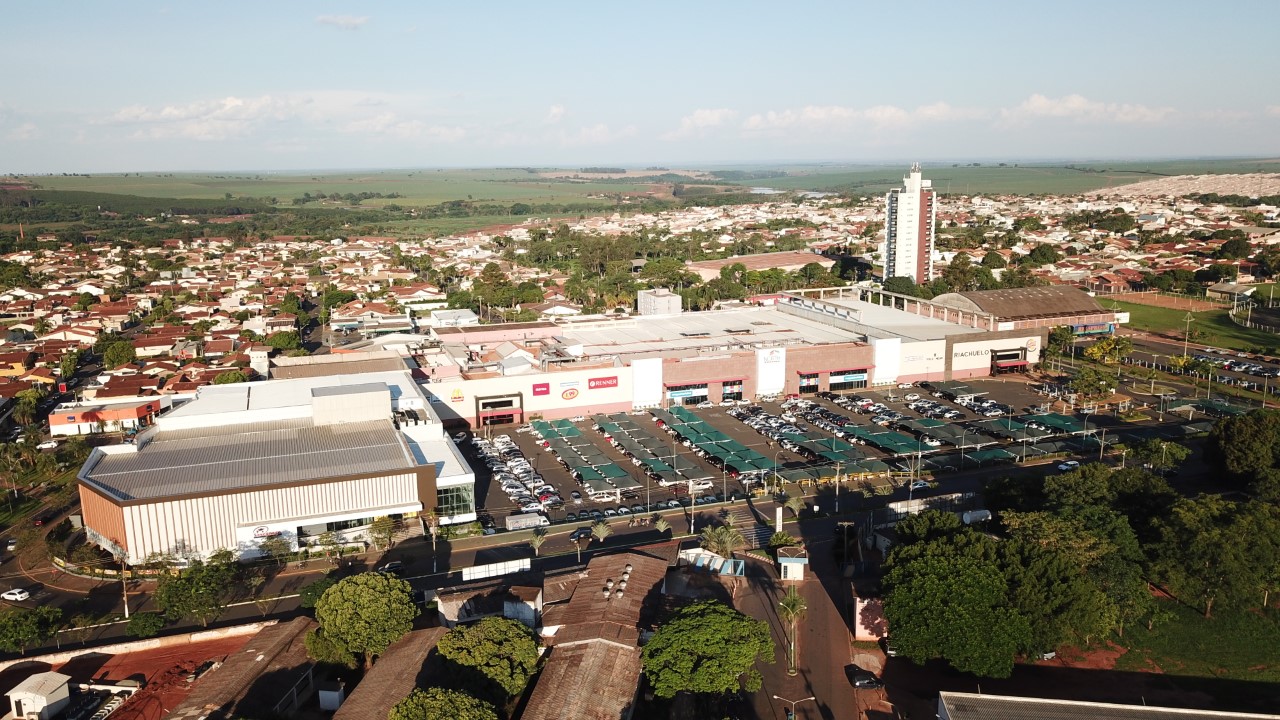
{"x":968,"y":706}
{"x":739,"y":328}
{"x":211,"y":460}
{"x":1025,"y":303}
{"x":882,"y":321}
{"x":268,"y":394}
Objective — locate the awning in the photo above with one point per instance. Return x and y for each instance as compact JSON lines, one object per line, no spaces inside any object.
{"x":1010,"y":363}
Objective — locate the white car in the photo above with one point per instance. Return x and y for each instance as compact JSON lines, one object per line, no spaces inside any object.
{"x":920,"y":485}
{"x":16,"y":595}
{"x":1069,"y":466}
{"x":705,"y":404}
{"x":911,"y":397}
{"x":48,"y":445}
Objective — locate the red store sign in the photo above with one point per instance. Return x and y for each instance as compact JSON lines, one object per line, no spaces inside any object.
{"x":604,"y":382}
{"x":542,"y":388}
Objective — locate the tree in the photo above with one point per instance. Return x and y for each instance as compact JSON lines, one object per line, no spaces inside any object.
{"x":381,"y":531}
{"x":723,"y":540}
{"x":285,"y":340}
{"x":144,"y":625}
{"x":707,"y":647}
{"x":950,"y":605}
{"x":20,"y":629}
{"x":791,"y":608}
{"x":661,"y":525}
{"x":601,"y":530}
{"x":795,"y":504}
{"x":1041,"y":255}
{"x":70,"y":361}
{"x":118,"y":353}
{"x":1110,"y":349}
{"x":230,"y":377}
{"x":1203,"y":556}
{"x":1235,"y":249}
{"x":199,"y":592}
{"x":536,"y":540}
{"x":363,"y":614}
{"x":994,"y":260}
{"x":904,"y":286}
{"x":1245,"y":444}
{"x":439,"y":704}
{"x":311,"y":593}
{"x":1090,"y":383}
{"x":503,"y":651}
{"x":276,"y":547}
{"x":1159,"y":455}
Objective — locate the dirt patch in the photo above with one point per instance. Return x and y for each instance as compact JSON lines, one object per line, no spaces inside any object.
{"x":1097,"y":658}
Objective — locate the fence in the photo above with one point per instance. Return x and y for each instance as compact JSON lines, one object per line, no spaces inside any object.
{"x":1247,"y":321}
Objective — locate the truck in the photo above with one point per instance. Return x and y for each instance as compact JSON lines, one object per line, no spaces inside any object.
{"x":525,"y":521}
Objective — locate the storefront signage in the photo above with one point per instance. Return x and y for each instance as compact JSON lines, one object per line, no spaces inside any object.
{"x":604,"y":382}
{"x":263,"y":531}
{"x":456,"y":396}
{"x":569,"y":383}
{"x":542,"y":388}
{"x":773,"y":356}
{"x":972,"y":353}
{"x":569,"y":394}
{"x":1032,"y":344}
{"x":679,"y":394}
{"x":851,"y":377}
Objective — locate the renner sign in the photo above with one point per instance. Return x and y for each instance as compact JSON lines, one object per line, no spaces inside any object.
{"x":604,"y":382}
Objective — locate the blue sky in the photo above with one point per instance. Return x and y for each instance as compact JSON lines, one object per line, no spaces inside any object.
{"x":144,"y":86}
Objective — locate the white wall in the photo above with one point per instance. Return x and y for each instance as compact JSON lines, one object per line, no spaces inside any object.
{"x":554,"y":394}
{"x":646,"y":389}
{"x":924,"y":359}
{"x":771,"y":370}
{"x":977,"y":355}
{"x":888,"y":354}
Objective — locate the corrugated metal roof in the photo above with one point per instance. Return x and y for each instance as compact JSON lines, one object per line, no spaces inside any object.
{"x":1029,"y":302}
{"x":237,"y":457}
{"x":968,"y":706}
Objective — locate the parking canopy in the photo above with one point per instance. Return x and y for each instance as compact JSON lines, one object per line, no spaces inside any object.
{"x":1056,"y":421}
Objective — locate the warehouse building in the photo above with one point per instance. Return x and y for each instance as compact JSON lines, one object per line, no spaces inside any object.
{"x":284,"y":458}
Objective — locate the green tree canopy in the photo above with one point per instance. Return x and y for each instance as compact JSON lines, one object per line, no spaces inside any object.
{"x":230,"y":377}
{"x":284,"y":340}
{"x":441,"y":704}
{"x":118,"y":353}
{"x":363,"y":614}
{"x":20,"y":629}
{"x":707,"y":647}
{"x":955,"y":607}
{"x":200,"y":591}
{"x":503,"y":651}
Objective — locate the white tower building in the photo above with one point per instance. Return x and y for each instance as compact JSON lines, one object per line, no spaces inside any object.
{"x":909,"y":229}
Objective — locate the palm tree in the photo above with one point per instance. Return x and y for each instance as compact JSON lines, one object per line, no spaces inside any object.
{"x":723,"y":540}
{"x":535,"y":541}
{"x":795,"y":504}
{"x":601,"y":530}
{"x":662,"y":525}
{"x":791,"y":608}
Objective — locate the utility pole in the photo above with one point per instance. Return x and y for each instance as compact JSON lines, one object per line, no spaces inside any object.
{"x":1186,"y":340}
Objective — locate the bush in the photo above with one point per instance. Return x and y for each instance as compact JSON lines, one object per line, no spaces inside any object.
{"x":310,"y":594}
{"x":145,"y":625}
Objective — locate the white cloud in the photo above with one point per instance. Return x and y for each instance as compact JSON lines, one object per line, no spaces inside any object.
{"x":598,"y":134}
{"x":838,"y":117}
{"x":555,"y":114}
{"x":25,"y":131}
{"x":1273,"y":110}
{"x":392,"y":125}
{"x":699,"y":122}
{"x":343,"y":22}
{"x":1082,"y":110}
{"x":208,"y":119}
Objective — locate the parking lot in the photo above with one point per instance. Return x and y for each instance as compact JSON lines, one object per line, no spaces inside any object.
{"x":629,"y":465}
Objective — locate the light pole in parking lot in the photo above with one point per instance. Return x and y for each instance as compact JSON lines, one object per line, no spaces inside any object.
{"x":791,"y":711}
{"x":775,"y":468}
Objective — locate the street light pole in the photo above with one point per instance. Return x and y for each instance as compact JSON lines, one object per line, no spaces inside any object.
{"x":1186,"y":339}
{"x":775,"y":466}
{"x":791,"y":711}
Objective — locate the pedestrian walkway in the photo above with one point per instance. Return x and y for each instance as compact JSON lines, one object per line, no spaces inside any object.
{"x":756,"y":533}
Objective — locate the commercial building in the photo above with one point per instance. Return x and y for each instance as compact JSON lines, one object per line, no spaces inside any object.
{"x":910,"y":220}
{"x":660,"y":301}
{"x":811,"y":341}
{"x":294,"y":459}
{"x":1035,"y":307}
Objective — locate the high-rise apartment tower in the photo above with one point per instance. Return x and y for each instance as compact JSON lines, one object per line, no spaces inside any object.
{"x":909,"y":229}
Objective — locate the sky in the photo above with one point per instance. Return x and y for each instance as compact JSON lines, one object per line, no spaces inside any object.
{"x":95,"y":87}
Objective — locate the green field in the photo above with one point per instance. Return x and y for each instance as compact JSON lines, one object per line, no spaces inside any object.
{"x":1193,"y":651}
{"x":1215,"y":327}
{"x":418,"y":187}
{"x":510,"y":185}
{"x":991,"y":178}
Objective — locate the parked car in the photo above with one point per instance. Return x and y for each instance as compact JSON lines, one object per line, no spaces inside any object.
{"x":920,"y":485}
{"x":862,"y":679}
{"x":581,"y":533}
{"x":1068,"y":466}
{"x":15,"y":595}
{"x":40,"y":520}
{"x":395,"y":567}
{"x":11,"y":545}
{"x":48,"y":445}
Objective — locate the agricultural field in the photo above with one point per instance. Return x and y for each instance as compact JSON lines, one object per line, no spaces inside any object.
{"x":416,"y":187}
{"x":423,"y":187}
{"x":992,"y":178}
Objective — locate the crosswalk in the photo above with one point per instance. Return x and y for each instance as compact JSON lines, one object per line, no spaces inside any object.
{"x":756,"y":533}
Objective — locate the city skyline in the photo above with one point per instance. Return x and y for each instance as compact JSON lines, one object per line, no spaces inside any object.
{"x":160,"y":87}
